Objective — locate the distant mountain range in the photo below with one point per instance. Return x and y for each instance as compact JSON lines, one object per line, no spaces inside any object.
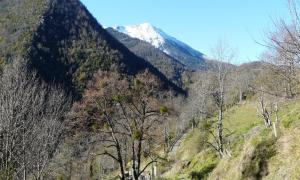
{"x":64,"y":43}
{"x":174,"y":70}
{"x":178,"y":50}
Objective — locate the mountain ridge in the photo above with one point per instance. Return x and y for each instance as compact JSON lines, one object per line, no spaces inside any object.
{"x":173,"y":69}
{"x":67,"y":44}
{"x":166,"y":43}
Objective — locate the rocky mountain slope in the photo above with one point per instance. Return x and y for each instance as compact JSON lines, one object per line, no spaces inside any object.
{"x":172,"y":68}
{"x":159,"y":39}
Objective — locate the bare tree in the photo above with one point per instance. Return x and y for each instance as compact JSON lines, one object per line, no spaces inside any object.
{"x":223,"y":56}
{"x":127,"y":114}
{"x":284,"y":46}
{"x":31,"y":115}
{"x":266,"y":112}
{"x":199,"y":103}
{"x":283,"y":65}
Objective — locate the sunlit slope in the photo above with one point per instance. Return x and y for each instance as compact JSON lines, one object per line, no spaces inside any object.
{"x":256,"y":153}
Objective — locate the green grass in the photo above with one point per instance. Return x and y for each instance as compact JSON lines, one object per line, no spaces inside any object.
{"x":196,"y":159}
{"x":241,"y":118}
{"x":255,"y":163}
{"x":256,"y":153}
{"x":290,"y":114}
{"x":202,"y":165}
{"x":192,"y":144}
{"x":246,"y":129}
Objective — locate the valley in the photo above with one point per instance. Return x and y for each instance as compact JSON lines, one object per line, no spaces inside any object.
{"x":84,"y":101}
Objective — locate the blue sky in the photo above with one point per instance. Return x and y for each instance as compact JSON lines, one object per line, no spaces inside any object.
{"x":199,"y":23}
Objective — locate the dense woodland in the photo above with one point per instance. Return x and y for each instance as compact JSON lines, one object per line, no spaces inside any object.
{"x":76,"y":103}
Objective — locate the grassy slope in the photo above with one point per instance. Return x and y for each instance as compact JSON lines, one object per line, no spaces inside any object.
{"x":256,"y":153}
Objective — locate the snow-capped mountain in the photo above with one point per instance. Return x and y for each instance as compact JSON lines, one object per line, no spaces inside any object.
{"x":166,"y":43}
{"x":145,"y":32}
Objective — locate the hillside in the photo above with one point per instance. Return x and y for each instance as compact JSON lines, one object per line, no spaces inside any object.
{"x":64,"y":43}
{"x":180,"y":51}
{"x":82,"y":102}
{"x":256,"y":153}
{"x":172,"y":68}
{"x":17,"y":26}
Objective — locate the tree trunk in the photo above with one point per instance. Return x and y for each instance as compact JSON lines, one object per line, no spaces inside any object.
{"x":240,"y":94}
{"x":220,"y":117}
{"x":121,"y":164}
{"x":220,"y":132}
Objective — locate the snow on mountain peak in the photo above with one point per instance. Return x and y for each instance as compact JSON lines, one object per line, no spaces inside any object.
{"x":145,"y":32}
{"x":161,"y":40}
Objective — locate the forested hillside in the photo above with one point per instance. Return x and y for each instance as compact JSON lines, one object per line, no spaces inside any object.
{"x":78,"y":101}
{"x":64,"y":43}
{"x":49,"y":52}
